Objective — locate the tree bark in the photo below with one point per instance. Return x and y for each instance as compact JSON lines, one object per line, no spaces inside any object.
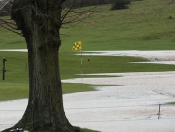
{"x":40,"y":21}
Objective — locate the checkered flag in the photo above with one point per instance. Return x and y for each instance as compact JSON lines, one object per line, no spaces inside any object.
{"x":77,"y":46}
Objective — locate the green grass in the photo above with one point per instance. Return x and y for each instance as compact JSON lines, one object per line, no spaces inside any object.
{"x":144,"y":26}
{"x":170,"y":103}
{"x":15,"y":41}
{"x":11,"y":91}
{"x":87,"y":130}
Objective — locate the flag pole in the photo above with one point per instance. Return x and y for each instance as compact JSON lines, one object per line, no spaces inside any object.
{"x":78,"y":46}
{"x":81,"y":69}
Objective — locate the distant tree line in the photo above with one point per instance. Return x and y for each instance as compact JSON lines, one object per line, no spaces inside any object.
{"x":84,"y":3}
{"x":5,"y":10}
{"x":116,"y":4}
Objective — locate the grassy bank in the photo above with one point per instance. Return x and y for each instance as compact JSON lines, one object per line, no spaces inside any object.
{"x":15,"y":85}
{"x":144,"y":26}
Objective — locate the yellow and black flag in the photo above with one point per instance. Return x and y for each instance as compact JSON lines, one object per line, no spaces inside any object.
{"x":77,"y":46}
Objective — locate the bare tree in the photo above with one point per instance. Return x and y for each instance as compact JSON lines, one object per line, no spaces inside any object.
{"x":39,"y":22}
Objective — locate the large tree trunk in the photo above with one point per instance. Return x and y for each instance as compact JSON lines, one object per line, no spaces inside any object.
{"x":40,"y":21}
{"x":45,"y":107}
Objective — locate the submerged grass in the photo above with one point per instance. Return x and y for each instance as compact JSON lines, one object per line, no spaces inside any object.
{"x":88,"y":130}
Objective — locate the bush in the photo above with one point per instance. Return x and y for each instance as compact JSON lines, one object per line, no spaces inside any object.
{"x":120,"y":4}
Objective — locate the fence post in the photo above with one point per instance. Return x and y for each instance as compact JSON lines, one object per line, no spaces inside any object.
{"x":159,"y":112}
{"x":3,"y":68}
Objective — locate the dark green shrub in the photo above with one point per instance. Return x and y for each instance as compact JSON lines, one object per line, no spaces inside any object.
{"x":120,"y":4}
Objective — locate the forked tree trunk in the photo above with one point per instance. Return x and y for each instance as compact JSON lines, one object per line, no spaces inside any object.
{"x":40,"y":21}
